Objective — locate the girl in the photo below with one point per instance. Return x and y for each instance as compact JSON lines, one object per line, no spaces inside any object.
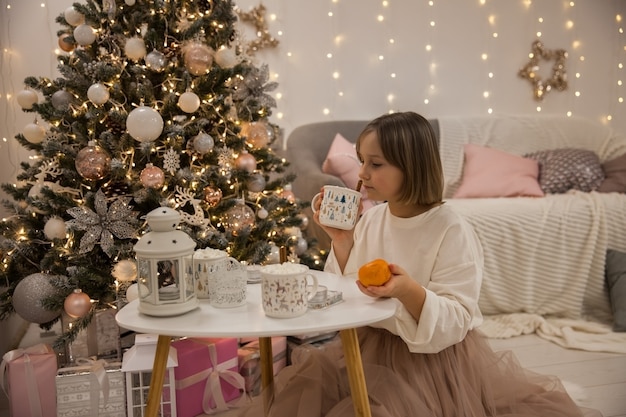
{"x":428,"y":359}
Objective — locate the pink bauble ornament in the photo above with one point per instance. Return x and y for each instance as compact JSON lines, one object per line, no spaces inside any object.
{"x":212,"y":195}
{"x":198,"y":58}
{"x":73,"y":16}
{"x":189,"y":102}
{"x":98,"y":93}
{"x":152,"y":177}
{"x":288,"y":194}
{"x":246,"y":161}
{"x":77,"y":304}
{"x":135,"y":48}
{"x":257,"y":134}
{"x":34,"y":133}
{"x":238,"y":217}
{"x":203,"y":143}
{"x":93,"y":162}
{"x":144,"y":124}
{"x":54,"y":228}
{"x":26,"y":98}
{"x":84,"y":35}
{"x":64,"y":44}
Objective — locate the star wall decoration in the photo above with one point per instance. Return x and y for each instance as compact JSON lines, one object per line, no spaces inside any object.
{"x":558,"y":78}
{"x":256,"y":16}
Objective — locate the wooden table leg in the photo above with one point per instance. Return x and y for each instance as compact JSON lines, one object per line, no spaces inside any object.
{"x":354,"y":366}
{"x":267,"y":372}
{"x":158,"y":376}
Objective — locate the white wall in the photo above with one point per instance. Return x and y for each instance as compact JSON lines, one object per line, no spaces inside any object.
{"x":341,"y":59}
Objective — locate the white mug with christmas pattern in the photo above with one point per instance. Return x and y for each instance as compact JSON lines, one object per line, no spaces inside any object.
{"x":286,"y":289}
{"x":219,"y":278}
{"x":340,"y":206}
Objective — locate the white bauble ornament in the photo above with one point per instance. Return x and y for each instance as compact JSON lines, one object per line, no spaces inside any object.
{"x":132,"y":292}
{"x":54,"y":228}
{"x":262,"y":214}
{"x":256,"y":183}
{"x":301,"y":246}
{"x":84,"y":35}
{"x":274,"y":256}
{"x":61,"y":100}
{"x":156,"y":61}
{"x":198,"y":58}
{"x":98,"y":93}
{"x":129,"y":2}
{"x":135,"y":48}
{"x":34,"y":133}
{"x":26,"y":98}
{"x":203,"y":143}
{"x":73,"y":16}
{"x":144,"y":124}
{"x":125,"y":270}
{"x":226,"y":57}
{"x":189,"y":102}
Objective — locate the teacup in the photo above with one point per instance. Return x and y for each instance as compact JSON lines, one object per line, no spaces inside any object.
{"x":286,"y":289}
{"x":339,"y":208}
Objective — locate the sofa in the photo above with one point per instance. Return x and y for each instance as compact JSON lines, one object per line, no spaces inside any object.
{"x":546,"y":230}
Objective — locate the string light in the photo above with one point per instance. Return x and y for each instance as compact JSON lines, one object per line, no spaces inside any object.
{"x":413,"y":64}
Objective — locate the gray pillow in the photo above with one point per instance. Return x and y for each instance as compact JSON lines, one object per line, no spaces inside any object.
{"x":561,"y":170}
{"x":616,"y":281}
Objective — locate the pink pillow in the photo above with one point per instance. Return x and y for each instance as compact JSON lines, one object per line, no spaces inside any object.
{"x":489,"y":172}
{"x":342,"y":161}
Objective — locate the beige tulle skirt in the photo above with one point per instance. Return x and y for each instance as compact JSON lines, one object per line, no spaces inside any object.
{"x":465,"y":380}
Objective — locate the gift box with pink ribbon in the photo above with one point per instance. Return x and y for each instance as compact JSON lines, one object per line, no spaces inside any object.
{"x":207,"y":377}
{"x":91,"y":388}
{"x":27,"y":377}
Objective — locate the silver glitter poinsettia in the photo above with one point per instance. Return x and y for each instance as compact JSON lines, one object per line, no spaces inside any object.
{"x":251,"y":89}
{"x":100,"y":226}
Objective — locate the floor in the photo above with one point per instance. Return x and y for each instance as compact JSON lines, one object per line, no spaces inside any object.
{"x":594,"y":380}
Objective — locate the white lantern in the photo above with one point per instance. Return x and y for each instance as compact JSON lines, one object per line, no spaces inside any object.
{"x":137,"y":365}
{"x":165,"y":266}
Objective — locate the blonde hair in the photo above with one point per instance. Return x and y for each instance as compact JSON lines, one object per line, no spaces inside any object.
{"x":408,"y":142}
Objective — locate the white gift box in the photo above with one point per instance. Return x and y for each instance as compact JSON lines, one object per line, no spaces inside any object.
{"x":93,"y":387}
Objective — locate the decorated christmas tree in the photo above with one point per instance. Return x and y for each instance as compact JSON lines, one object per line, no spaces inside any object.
{"x":159,"y":103}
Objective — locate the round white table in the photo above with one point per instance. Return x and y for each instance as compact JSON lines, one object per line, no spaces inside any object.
{"x":354,"y":311}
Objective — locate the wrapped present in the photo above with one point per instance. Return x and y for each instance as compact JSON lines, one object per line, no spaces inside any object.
{"x":26,"y":376}
{"x":207,"y":376}
{"x":250,"y":364}
{"x":91,"y":388}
